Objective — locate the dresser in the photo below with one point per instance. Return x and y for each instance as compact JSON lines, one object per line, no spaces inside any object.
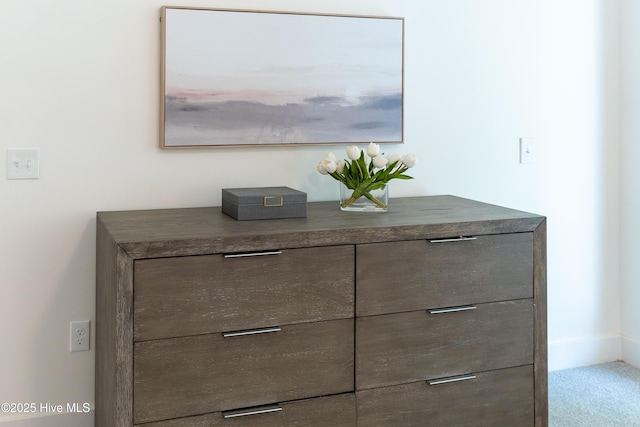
{"x":433,"y":313}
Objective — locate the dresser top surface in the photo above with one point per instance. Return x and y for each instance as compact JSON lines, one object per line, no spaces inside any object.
{"x":188,"y":231}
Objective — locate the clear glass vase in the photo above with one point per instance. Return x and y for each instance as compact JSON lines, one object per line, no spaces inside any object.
{"x":373,"y":201}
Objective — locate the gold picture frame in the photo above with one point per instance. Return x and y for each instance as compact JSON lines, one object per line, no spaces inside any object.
{"x":234,"y":78}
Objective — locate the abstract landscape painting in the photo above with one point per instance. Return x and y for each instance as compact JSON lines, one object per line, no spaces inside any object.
{"x":238,"y":78}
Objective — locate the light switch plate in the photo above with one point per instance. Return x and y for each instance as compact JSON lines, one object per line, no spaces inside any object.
{"x":23,"y":163}
{"x":526,"y":150}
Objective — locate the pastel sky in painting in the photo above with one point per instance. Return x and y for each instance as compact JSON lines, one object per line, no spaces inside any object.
{"x":278,"y":58}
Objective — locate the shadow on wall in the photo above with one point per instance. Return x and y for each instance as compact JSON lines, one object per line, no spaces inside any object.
{"x":72,"y":403}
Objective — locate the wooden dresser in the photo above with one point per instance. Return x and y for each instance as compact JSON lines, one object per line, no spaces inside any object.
{"x":433,"y":313}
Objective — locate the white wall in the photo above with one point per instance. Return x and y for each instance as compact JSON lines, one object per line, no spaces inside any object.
{"x":79,"y":80}
{"x":579,"y":125}
{"x":630,"y":179}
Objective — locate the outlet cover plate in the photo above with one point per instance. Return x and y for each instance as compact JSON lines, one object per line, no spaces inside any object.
{"x":79,"y":335}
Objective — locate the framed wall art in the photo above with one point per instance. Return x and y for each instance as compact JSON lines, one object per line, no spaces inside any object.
{"x":254,"y":78}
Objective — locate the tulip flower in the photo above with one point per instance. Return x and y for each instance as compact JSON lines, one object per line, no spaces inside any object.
{"x":379,"y":161}
{"x":353,"y":152}
{"x":409,"y":160}
{"x":320,"y":168}
{"x":330,"y":156}
{"x":373,"y":149}
{"x":394,"y":158}
{"x":329,"y":165}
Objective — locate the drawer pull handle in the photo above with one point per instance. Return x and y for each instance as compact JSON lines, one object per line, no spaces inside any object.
{"x":248,"y":254}
{"x":451,"y":309}
{"x":451,"y":379}
{"x":251,"y":411}
{"x":251,"y":332}
{"x":453,"y":239}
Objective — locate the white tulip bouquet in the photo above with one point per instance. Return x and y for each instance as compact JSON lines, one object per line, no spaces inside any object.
{"x":366,"y":171}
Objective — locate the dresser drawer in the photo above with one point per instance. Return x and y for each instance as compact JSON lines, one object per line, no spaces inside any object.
{"x":201,"y":294}
{"x":495,"y":398}
{"x":331,"y":411}
{"x":413,"y":346}
{"x":418,"y":274}
{"x":208,"y":373}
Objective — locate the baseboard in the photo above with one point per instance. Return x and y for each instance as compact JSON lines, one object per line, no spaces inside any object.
{"x":583,"y":352}
{"x":631,"y":351}
{"x":65,"y":419}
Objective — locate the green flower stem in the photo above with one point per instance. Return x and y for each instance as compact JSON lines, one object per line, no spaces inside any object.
{"x":374,"y":200}
{"x":354,"y":196}
{"x":359,"y":193}
{"x":349,"y":201}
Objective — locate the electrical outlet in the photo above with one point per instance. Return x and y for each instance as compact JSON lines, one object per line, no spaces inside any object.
{"x":80,"y":333}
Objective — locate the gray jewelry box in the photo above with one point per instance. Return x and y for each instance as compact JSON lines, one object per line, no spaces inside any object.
{"x":264,"y":203}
